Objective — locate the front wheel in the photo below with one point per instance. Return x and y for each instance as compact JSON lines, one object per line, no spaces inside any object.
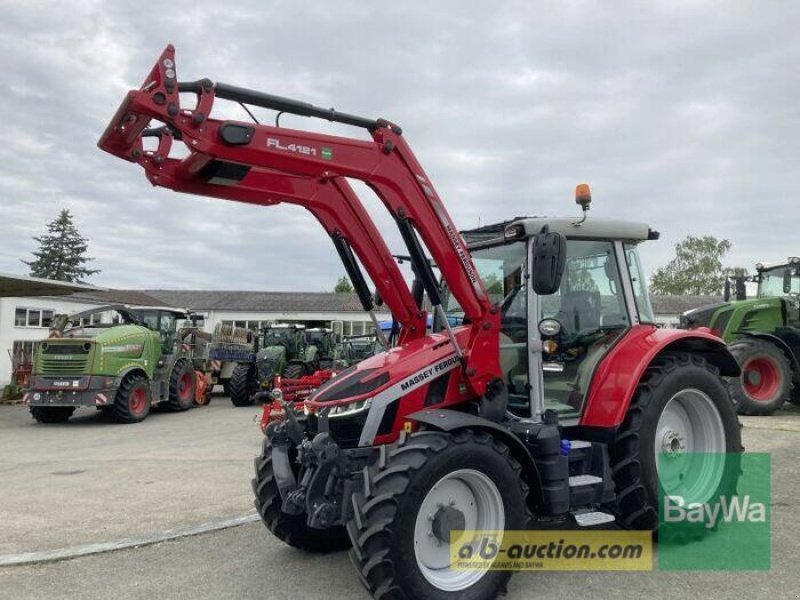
{"x":679,"y":437}
{"x":430,"y":485}
{"x":132,"y":400}
{"x":181,"y":386}
{"x":294,"y":371}
{"x":52,"y":414}
{"x":290,"y":529}
{"x":766,"y":377}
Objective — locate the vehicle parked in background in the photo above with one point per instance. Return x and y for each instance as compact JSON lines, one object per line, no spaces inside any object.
{"x":763,"y":333}
{"x":123,"y":368}
{"x":281,"y":350}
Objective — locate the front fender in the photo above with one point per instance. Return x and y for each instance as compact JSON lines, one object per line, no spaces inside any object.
{"x":773,"y":339}
{"x":618,"y":374}
{"x":452,"y":420}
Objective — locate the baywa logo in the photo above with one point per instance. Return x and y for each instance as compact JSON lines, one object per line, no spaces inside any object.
{"x":709,"y":515}
{"x":714,"y":512}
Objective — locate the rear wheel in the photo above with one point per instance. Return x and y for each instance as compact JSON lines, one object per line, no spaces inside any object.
{"x":681,"y":410}
{"x":766,"y":378}
{"x":430,"y":484}
{"x":181,"y":386}
{"x":52,"y":414}
{"x":243,"y":385}
{"x":132,"y":400}
{"x":290,"y":529}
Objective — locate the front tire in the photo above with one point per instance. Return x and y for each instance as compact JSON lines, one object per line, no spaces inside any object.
{"x":182,"y":384}
{"x":52,"y":414}
{"x":398,"y":550}
{"x":766,"y":378}
{"x":290,"y":529}
{"x":243,"y":385}
{"x":132,"y":400}
{"x":680,"y":406}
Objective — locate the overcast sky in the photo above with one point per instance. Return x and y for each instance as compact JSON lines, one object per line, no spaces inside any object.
{"x":682,"y":114}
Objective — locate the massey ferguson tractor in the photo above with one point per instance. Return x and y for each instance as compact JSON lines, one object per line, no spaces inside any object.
{"x":763,"y":333}
{"x":553,"y":398}
{"x":122,"y":369}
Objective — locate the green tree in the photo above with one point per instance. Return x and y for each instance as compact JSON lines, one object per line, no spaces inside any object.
{"x":493,"y":284}
{"x":343,"y":286}
{"x":696,"y":269}
{"x":62,"y":252}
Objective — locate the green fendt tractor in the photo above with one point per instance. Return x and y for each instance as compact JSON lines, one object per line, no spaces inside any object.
{"x":763,"y":333}
{"x":328,"y":345}
{"x":281,"y":350}
{"x":122,"y":368}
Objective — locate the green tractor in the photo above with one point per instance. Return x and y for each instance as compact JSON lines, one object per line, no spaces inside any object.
{"x":281,"y":350}
{"x":328,"y":345}
{"x":763,"y":333}
{"x":122,"y":368}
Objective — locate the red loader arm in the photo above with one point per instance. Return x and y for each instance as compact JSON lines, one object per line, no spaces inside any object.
{"x":264,"y":164}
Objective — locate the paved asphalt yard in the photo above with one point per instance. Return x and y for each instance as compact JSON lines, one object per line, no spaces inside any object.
{"x":89,"y":481}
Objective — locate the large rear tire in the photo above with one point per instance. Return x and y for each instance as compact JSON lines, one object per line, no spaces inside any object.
{"x":243,"y":385}
{"x":290,"y":529}
{"x":132,"y":400}
{"x":766,"y":379}
{"x":52,"y":414}
{"x":680,"y":406}
{"x":429,"y":484}
{"x":181,"y":386}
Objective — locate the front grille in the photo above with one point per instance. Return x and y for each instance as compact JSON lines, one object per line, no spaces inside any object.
{"x":356,"y":385}
{"x":64,"y":359}
{"x":266,"y":367}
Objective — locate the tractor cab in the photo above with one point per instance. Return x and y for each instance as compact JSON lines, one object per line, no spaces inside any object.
{"x":290,"y":336}
{"x":779,"y":281}
{"x":163,"y":321}
{"x":553,"y":343}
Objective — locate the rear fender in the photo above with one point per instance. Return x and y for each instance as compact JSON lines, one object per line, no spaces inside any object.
{"x":787,"y":350}
{"x":618,"y":374}
{"x":452,"y":420}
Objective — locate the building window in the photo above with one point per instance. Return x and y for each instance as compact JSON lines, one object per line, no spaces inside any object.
{"x":32,"y":317}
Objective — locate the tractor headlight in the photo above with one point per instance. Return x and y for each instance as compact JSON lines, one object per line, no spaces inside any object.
{"x":794,"y":260}
{"x":549,"y":327}
{"x":351,"y":408}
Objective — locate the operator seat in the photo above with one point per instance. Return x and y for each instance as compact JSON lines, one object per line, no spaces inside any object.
{"x":579,"y":311}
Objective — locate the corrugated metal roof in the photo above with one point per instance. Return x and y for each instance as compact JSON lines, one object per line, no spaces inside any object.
{"x":251,"y":301}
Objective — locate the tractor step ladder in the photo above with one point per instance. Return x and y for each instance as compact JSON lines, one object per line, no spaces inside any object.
{"x":581,"y":480}
{"x":592,"y":518}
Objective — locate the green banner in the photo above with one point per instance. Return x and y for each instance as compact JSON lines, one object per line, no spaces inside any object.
{"x":714,"y":512}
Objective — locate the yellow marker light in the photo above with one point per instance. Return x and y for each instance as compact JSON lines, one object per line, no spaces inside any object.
{"x":549,"y":346}
{"x":583,"y":194}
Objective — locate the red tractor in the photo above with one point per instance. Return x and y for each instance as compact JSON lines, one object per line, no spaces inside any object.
{"x":551,"y":399}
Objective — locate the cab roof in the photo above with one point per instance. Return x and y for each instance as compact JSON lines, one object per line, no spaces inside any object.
{"x":591,"y":228}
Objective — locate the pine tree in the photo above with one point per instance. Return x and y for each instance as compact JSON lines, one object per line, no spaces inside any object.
{"x":62,"y":252}
{"x":343,"y":286}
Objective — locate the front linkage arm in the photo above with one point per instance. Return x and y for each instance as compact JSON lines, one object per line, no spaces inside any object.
{"x":262,"y":164}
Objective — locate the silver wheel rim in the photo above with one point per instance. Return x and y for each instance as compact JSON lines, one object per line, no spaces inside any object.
{"x":477,"y":498}
{"x":690,"y":446}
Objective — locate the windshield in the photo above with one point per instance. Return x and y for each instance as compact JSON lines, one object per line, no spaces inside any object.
{"x":771,"y":283}
{"x":500,"y":268}
{"x":273,"y":337}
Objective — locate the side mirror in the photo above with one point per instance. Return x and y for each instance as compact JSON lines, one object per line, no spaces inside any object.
{"x":787,"y":281}
{"x":549,"y":255}
{"x":727,"y":295}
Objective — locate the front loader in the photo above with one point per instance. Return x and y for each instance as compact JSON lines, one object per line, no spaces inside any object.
{"x":763,"y":334}
{"x":553,"y":397}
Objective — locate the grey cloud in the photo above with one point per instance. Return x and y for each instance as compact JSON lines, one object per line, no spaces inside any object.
{"x":682,"y":114}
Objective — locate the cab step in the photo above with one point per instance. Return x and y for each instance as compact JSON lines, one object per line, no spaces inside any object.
{"x":581,"y":480}
{"x":592,"y":518}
